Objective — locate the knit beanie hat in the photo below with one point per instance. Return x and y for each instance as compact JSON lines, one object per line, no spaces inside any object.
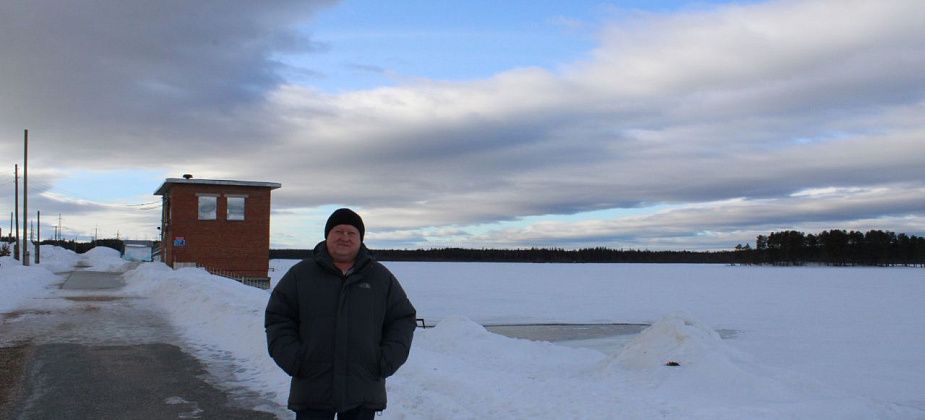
{"x":344,"y":217}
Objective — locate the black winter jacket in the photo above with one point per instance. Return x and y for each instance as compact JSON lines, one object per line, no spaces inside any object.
{"x":339,"y":336}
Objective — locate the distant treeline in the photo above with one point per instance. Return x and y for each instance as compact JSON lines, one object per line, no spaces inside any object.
{"x":836,"y":247}
{"x":833,"y":247}
{"x":78,"y":247}
{"x":81,"y":247}
{"x":533,"y":255}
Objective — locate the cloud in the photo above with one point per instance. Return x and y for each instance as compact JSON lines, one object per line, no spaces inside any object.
{"x":722,"y":115}
{"x":366,"y":68}
{"x":756,"y":101}
{"x":146,"y":82}
{"x":616,"y":132}
{"x":720,"y":224}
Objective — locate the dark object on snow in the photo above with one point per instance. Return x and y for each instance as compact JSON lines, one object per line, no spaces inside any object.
{"x":671,"y":363}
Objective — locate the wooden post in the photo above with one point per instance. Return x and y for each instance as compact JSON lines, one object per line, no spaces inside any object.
{"x":16,"y":248}
{"x":38,"y":235}
{"x":25,"y":197}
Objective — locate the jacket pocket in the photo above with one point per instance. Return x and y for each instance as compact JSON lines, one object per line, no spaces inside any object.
{"x":365,"y":388}
{"x":376,"y":369}
{"x":314,"y":370}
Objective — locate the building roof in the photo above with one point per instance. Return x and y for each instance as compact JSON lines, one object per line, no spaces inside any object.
{"x":193,"y":181}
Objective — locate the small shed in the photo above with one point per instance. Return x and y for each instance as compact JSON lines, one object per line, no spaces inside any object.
{"x":220,"y":225}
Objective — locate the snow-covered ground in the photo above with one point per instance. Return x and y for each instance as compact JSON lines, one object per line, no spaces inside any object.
{"x":810,"y":343}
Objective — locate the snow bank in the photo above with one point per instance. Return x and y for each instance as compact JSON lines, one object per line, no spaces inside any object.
{"x":677,"y":338}
{"x":458,"y":370}
{"x":693,"y":373}
{"x":103,"y":258}
{"x":60,"y":260}
{"x":57,"y":259}
{"x":19,"y":284}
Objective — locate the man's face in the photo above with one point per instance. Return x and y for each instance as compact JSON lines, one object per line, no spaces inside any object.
{"x":343,"y":243}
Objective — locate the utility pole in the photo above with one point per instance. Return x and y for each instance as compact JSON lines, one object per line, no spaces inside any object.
{"x":25,"y":195}
{"x":38,"y":235}
{"x":16,"y":247}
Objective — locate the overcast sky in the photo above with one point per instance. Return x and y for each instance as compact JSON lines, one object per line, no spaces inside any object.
{"x":628,"y":124}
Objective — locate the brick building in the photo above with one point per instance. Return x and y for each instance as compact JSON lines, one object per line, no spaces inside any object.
{"x":220,"y":225}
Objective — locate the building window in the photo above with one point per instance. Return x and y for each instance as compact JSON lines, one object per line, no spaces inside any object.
{"x":207,"y":207}
{"x":236,"y":208}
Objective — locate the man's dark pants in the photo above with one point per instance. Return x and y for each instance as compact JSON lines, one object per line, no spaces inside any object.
{"x":358,"y":413}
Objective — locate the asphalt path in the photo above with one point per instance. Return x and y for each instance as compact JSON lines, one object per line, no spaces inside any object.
{"x":107,"y":356}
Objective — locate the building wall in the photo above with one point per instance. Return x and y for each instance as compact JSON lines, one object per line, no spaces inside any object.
{"x":239,"y":247}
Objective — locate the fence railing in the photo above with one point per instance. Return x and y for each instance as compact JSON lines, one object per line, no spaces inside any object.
{"x":258,"y":282}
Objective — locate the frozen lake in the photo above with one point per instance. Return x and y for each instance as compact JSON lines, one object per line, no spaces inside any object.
{"x":860,"y":330}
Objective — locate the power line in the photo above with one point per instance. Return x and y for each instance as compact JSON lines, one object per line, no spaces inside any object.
{"x":142,"y":204}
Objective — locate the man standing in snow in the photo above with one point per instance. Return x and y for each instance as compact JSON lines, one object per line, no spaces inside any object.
{"x":339,"y":323}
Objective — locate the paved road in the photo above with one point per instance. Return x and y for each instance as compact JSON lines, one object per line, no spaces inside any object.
{"x":105,"y":356}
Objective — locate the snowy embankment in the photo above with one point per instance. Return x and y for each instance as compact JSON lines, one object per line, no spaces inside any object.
{"x":20,"y":285}
{"x":812,"y":343}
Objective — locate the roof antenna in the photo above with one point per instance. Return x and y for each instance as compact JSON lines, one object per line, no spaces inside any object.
{"x":187,"y":176}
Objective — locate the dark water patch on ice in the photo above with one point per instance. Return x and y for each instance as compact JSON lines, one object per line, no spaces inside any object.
{"x":570,"y":332}
{"x":565,"y":332}
{"x":602,"y":337}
